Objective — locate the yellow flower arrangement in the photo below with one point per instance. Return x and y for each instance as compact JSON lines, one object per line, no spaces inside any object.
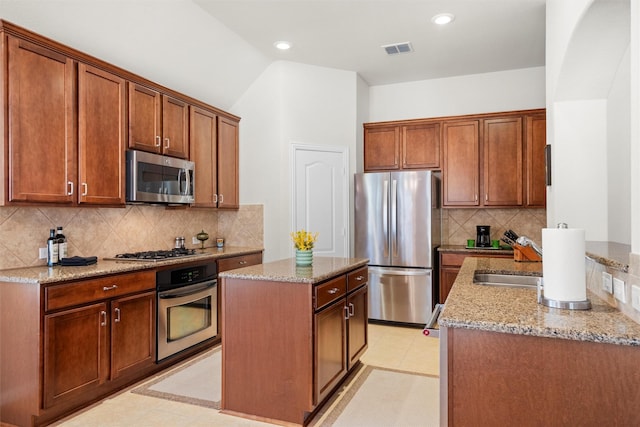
{"x":303,"y":240}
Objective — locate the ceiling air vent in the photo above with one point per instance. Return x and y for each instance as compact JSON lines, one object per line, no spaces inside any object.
{"x":396,"y":48}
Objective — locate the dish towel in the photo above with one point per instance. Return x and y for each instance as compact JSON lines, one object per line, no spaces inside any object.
{"x":78,"y":260}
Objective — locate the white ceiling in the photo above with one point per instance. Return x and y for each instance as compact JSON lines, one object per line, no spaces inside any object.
{"x":486,"y":35}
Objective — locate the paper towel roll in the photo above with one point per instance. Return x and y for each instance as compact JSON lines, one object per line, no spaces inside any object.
{"x":563,"y":264}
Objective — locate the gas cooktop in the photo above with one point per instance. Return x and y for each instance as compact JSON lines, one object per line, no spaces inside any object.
{"x":154,"y":255}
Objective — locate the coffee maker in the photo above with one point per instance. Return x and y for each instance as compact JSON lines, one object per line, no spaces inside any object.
{"x":483,"y":236}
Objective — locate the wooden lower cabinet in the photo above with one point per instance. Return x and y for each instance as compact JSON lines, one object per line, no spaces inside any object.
{"x":79,"y":342}
{"x":450,"y":263}
{"x":288,"y":345}
{"x":500,"y":379}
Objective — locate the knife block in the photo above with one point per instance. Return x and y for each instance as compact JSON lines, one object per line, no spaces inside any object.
{"x":525,"y":253}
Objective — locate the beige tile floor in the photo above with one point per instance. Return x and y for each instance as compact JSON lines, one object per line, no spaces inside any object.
{"x":390,"y":347}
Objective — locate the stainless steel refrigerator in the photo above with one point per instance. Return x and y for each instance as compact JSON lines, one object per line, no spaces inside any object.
{"x":398,"y":227}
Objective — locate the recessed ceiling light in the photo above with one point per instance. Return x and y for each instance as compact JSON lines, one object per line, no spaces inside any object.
{"x":282,"y":45}
{"x":443,"y":18}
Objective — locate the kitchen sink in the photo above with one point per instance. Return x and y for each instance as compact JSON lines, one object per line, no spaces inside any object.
{"x":509,"y":280}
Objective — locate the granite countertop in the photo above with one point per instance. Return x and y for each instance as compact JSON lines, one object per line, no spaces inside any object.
{"x":611,"y":254}
{"x":286,"y":270}
{"x":516,"y":311}
{"x":504,"y":249}
{"x":44,"y":274}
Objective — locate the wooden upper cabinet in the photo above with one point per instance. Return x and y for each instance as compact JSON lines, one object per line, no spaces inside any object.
{"x":41,"y":136}
{"x":145,"y":132}
{"x":203,"y":143}
{"x":502,"y":163}
{"x":421,"y":146}
{"x":228,"y":159}
{"x":461,"y":147}
{"x":382,"y":148}
{"x":175,"y":127}
{"x":535,"y":142}
{"x":101,"y":142}
{"x":157,"y":123}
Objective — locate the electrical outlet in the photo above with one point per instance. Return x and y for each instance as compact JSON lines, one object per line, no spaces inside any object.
{"x":635,"y":297}
{"x":195,"y":240}
{"x":607,"y":282}
{"x":42,"y":253}
{"x":619,"y":291}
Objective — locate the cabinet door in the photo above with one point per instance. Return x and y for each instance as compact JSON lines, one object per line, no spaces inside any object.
{"x":421,"y":146}
{"x":41,"y":133}
{"x":535,"y":141}
{"x":331,"y":348}
{"x":447,"y":277}
{"x":382,"y":148}
{"x":202,"y":142}
{"x":76,"y":352}
{"x":133,"y":333}
{"x":503,"y":162}
{"x":101,"y":121}
{"x":144,"y":119}
{"x":175,"y":127}
{"x":461,"y":163}
{"x":357,"y":304}
{"x":228,"y":190}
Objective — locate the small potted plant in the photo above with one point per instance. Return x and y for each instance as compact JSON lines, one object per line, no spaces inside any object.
{"x":303,"y":242}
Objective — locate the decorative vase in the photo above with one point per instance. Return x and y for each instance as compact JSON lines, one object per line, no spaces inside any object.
{"x":304,"y":257}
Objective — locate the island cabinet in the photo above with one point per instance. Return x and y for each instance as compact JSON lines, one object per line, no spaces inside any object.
{"x":158,"y":123}
{"x":290,"y":340}
{"x":87,"y":339}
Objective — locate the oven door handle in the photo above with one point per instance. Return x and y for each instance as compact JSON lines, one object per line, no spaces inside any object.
{"x":193,"y":289}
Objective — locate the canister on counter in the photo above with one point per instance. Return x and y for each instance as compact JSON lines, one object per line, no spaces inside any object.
{"x":220,"y":242}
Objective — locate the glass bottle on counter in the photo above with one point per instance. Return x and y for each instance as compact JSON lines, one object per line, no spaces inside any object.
{"x":52,"y":248}
{"x":62,"y":244}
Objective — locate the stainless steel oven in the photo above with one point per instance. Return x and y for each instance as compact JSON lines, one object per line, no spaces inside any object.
{"x":187,"y":307}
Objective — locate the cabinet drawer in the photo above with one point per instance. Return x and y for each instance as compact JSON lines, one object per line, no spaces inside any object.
{"x":330,"y":291}
{"x":67,"y":295}
{"x":225,"y":264}
{"x":455,"y":260}
{"x":357,"y":278}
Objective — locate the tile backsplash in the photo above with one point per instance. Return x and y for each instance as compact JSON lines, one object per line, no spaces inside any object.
{"x":458,"y":225}
{"x":104,"y":232}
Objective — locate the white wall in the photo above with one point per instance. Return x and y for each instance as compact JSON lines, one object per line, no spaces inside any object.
{"x":478,"y":93}
{"x":290,"y":103}
{"x":171,"y":42}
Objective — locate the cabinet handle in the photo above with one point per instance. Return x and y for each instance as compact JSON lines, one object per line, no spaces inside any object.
{"x":158,"y":140}
{"x":359,"y":278}
{"x":117,"y":320}
{"x":70,"y":185}
{"x":346,"y":313}
{"x":242,"y":262}
{"x":222,"y":198}
{"x":215,"y":198}
{"x":103,"y":314}
{"x":333,"y":291}
{"x":109,"y":288}
{"x":351,"y":309}
{"x":475,"y":198}
{"x":486,"y":197}
{"x":168,"y":142}
{"x":85,"y":188}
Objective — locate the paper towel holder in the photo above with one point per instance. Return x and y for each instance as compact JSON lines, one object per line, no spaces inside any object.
{"x":568,"y":305}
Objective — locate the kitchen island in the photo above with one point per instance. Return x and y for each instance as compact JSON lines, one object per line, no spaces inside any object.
{"x":290,"y":335}
{"x":507,"y":360}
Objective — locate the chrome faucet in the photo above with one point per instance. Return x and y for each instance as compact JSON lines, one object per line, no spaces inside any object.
{"x":525,"y":241}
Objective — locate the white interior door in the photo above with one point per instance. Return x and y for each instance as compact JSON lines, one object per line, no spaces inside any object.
{"x":321,"y":196}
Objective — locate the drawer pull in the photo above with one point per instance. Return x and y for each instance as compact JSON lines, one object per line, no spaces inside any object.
{"x":333,"y":291}
{"x":109,"y":288}
{"x":117,"y":319}
{"x":103,"y":314}
{"x":242,"y":262}
{"x":359,"y":278}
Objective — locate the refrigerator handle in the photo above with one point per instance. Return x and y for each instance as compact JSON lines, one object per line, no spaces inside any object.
{"x":394,"y":218}
{"x":385,"y":217}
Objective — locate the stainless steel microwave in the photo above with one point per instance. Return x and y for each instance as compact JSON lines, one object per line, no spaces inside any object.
{"x":153,"y":178}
